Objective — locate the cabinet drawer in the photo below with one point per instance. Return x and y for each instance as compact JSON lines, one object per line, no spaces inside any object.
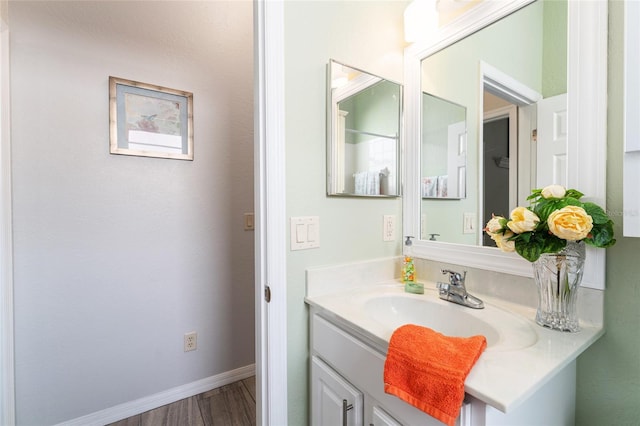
{"x":347,"y":355}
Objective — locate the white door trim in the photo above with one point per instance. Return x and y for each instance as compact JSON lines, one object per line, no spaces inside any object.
{"x":270,"y":208}
{"x":7,"y":361}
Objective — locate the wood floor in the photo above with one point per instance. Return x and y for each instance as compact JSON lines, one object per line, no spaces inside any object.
{"x":230,"y":405}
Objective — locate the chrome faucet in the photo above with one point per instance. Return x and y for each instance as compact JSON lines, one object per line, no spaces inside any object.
{"x":455,"y":291}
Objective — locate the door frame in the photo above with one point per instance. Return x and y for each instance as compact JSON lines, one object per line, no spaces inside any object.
{"x":270,"y":209}
{"x":517,"y":93}
{"x":7,"y":358}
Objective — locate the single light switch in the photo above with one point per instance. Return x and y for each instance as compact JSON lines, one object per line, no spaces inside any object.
{"x":301,"y":233}
{"x":312,"y":232}
{"x":249,"y":224}
{"x":469,"y":223}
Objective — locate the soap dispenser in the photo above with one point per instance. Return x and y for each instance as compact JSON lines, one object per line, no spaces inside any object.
{"x":411,"y":285}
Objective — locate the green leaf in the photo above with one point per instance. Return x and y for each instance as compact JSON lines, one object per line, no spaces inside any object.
{"x":569,"y":201}
{"x":601,"y":236}
{"x":573,"y":193}
{"x":553,"y":244}
{"x":546,"y":207}
{"x":535,"y":194}
{"x":597,"y":214}
{"x":525,"y":236}
{"x":530,"y":251}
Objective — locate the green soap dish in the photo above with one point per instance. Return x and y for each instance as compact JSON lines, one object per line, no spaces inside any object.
{"x":414,"y":287}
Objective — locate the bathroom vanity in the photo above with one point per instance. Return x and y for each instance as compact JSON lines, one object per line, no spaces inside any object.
{"x":526,"y":376}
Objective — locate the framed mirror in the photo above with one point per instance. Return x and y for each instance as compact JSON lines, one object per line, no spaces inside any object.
{"x":511,"y":76}
{"x":363,"y":133}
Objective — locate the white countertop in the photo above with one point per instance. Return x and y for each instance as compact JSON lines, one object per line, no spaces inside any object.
{"x":504,"y":376}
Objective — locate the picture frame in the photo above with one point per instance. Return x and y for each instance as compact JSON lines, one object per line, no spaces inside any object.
{"x":150,"y":121}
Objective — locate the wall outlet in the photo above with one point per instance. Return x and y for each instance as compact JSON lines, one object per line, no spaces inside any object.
{"x":190,"y":341}
{"x":389,"y":227}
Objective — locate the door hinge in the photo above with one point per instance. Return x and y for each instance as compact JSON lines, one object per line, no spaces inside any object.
{"x":267,"y":294}
{"x":534,"y":135}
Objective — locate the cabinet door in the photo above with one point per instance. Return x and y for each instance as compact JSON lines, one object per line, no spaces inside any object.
{"x":334,"y":401}
{"x":382,"y":418}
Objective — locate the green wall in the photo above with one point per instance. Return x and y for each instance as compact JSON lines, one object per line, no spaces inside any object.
{"x":366,"y":35}
{"x":609,"y":371}
{"x":554,"y":48}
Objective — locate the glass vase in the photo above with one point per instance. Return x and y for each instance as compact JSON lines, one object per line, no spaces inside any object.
{"x":558,"y":277}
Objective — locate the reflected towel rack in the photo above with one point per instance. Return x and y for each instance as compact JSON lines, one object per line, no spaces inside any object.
{"x":362,"y":132}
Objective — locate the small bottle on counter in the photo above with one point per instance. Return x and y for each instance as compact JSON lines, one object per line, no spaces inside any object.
{"x":409,"y":277}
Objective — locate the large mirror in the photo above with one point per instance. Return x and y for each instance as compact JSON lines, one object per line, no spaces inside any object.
{"x":363,"y":133}
{"x":523,"y":70}
{"x":501,"y":83}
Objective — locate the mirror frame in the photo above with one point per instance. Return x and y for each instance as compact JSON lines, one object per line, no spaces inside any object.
{"x":587,"y":129}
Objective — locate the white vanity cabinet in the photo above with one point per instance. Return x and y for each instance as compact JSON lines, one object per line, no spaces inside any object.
{"x":347,"y":365}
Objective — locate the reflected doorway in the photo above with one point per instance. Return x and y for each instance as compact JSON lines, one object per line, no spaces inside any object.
{"x":500,"y":154}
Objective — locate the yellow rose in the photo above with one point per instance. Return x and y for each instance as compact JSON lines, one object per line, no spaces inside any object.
{"x":522,"y":220}
{"x":502,"y":241}
{"x":554,"y":191}
{"x":570,"y":223}
{"x":494,"y":224}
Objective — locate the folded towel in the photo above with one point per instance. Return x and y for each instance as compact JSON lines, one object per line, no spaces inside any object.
{"x":428,"y":370}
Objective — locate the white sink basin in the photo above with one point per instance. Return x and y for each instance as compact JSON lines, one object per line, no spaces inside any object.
{"x":503,"y":330}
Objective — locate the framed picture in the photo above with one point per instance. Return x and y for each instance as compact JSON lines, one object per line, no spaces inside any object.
{"x":150,"y":121}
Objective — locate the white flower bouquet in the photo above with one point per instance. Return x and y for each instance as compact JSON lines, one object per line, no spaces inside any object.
{"x":556,"y":215}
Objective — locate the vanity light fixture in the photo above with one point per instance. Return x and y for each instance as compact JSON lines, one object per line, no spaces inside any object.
{"x":420,"y":20}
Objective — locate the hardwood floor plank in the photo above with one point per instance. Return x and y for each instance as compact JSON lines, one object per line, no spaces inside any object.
{"x":185,"y":412}
{"x":229,"y":405}
{"x":250,"y":383}
{"x":131,"y":421}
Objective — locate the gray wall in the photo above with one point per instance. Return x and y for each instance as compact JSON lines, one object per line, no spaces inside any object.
{"x":116,"y":257}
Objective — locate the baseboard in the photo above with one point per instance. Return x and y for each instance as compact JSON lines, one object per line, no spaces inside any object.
{"x":132,"y":408}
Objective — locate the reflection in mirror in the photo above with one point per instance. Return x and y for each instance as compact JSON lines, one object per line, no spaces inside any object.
{"x":444,"y":148}
{"x":363,"y":135}
{"x":501,"y":74}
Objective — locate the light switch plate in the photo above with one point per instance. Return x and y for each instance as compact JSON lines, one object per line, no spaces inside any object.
{"x":249,"y":224}
{"x":305,"y":232}
{"x":469,"y":223}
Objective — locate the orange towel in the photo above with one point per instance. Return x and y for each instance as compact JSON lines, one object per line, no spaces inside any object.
{"x":428,"y":370}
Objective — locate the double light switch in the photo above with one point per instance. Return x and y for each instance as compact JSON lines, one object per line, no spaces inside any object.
{"x":305,"y":232}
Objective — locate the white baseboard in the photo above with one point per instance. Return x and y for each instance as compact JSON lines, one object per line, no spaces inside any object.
{"x":150,"y":402}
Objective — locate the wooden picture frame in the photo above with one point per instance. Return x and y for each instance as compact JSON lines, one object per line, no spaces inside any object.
{"x":150,"y":121}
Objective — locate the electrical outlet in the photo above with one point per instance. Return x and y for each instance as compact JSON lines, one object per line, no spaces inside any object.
{"x":389,"y":227}
{"x":190,"y":341}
